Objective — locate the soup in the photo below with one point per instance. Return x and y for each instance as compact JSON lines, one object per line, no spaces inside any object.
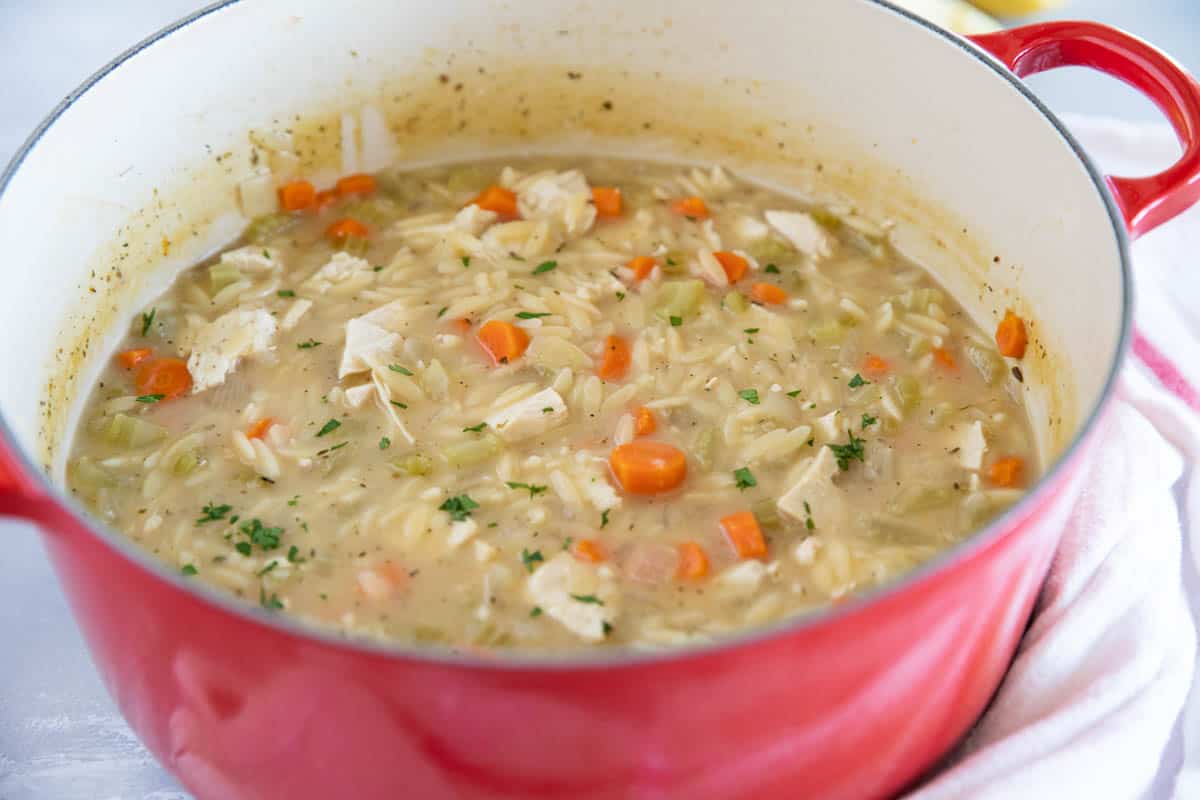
{"x":553,"y":404}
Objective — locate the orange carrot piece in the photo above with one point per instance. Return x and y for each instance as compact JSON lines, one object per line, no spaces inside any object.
{"x":504,"y":341}
{"x":692,"y":207}
{"x":615,"y":361}
{"x":498,"y":199}
{"x":382,"y":581}
{"x":131,"y":358}
{"x":644,"y":423}
{"x":346,"y":228}
{"x":642,"y":266}
{"x":324,"y":199}
{"x":743,"y":533}
{"x":648,"y":467}
{"x":166,"y":376}
{"x":461,"y":324}
{"x":734,"y":265}
{"x":607,"y":200}
{"x":875,"y":367}
{"x":1011,"y":338}
{"x":944,"y":359}
{"x":589,"y":550}
{"x":768,"y":294}
{"x":358,"y":183}
{"x":1007,"y":471}
{"x":259,"y":429}
{"x":297,"y":195}
{"x":693,"y":562}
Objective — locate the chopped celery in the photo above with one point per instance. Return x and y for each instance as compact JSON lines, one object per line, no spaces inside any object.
{"x":375,"y":210}
{"x":679,"y":298}
{"x":470,"y":452}
{"x":921,"y":498}
{"x":414,"y":464}
{"x":894,"y":529}
{"x":736,"y":302}
{"x":88,"y":476}
{"x":847,"y":320}
{"x":704,"y":447}
{"x":186,"y":463}
{"x":908,"y":389}
{"x":828,"y":332}
{"x":827,"y":218}
{"x":987,"y":362}
{"x":770,"y":250}
{"x":222,"y":275}
{"x":268,"y":226}
{"x":766,"y":513}
{"x":128,"y":431}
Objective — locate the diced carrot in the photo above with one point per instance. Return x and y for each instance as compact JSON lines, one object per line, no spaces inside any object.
{"x":346,"y":228}
{"x":504,"y":341}
{"x":461,"y":324}
{"x":359,"y":183}
{"x":875,"y":367}
{"x":607,"y":200}
{"x":498,"y":199}
{"x":734,"y":265}
{"x":943,"y":357}
{"x":642,"y":266}
{"x":692,"y":207}
{"x":615,"y":361}
{"x":324,"y":199}
{"x":259,"y":429}
{"x":644,"y":423}
{"x":693,"y":562}
{"x":648,"y":467}
{"x":297,"y":195}
{"x":743,"y":533}
{"x":1006,"y":471}
{"x":166,"y":376}
{"x":589,"y":550}
{"x":381,"y":581}
{"x":1011,"y":338}
{"x":131,"y":358}
{"x":768,"y":294}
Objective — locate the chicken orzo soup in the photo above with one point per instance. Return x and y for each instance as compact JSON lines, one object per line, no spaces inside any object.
{"x":552,"y":405}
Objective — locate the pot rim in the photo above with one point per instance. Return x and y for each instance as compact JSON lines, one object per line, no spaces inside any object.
{"x":1047,"y":484}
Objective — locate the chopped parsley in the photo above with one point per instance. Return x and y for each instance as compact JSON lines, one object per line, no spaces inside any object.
{"x":536,"y":611}
{"x":607,"y":628}
{"x":532,"y":314}
{"x":293,"y":555}
{"x":459,"y":507}
{"x":294,"y":501}
{"x":286,"y":293}
{"x":545,"y":266}
{"x":329,"y":427}
{"x":243,"y":547}
{"x":398,"y":404}
{"x":749,"y":395}
{"x":148,"y":320}
{"x":868,"y":420}
{"x":794,"y":393}
{"x":150,"y":398}
{"x":744,"y":479}
{"x":587,"y":598}
{"x":475,"y":428}
{"x":808,"y":520}
{"x":676,"y":322}
{"x":772,"y":269}
{"x":384,"y":443}
{"x":400,"y":369}
{"x":533,"y":489}
{"x":310,"y":344}
{"x":530,"y":558}
{"x":270,"y":603}
{"x":567,"y":542}
{"x":845,"y":453}
{"x":213,"y":512}
{"x":466,"y":261}
{"x":259,"y":534}
{"x":604,"y":517}
{"x":337,"y":446}
{"x":268,"y":568}
{"x":442,"y":311}
{"x":548,"y":410}
{"x":857,"y":381}
{"x":620,"y":296}
{"x":189,"y":569}
{"x":377,"y":268}
{"x":751,"y":330}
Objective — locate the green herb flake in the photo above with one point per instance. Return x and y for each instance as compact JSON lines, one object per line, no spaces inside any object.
{"x":535,"y":612}
{"x":271,"y":603}
{"x":604,"y":517}
{"x":309,"y":345}
{"x":285,"y":293}
{"x":377,"y":268}
{"x":750,"y":396}
{"x":529,"y":558}
{"x":400,"y":369}
{"x":459,"y":507}
{"x":567,"y":542}
{"x":294,"y":501}
{"x":845,"y":453}
{"x":868,"y":420}
{"x":475,"y":428}
{"x":213,"y":512}
{"x":587,"y":598}
{"x":857,"y":381}
{"x":772,"y":269}
{"x":243,"y":547}
{"x":808,"y":520}
{"x":188,"y":570}
{"x":329,"y":427}
{"x":548,"y":410}
{"x":442,"y":311}
{"x":676,"y":322}
{"x":620,"y":296}
{"x":148,"y":320}
{"x":259,"y":534}
{"x":398,"y":404}
{"x":751,"y":330}
{"x":607,"y":628}
{"x":533,"y":489}
{"x":794,"y":393}
{"x":329,"y":450}
{"x":150,"y":398}
{"x":384,"y":443}
{"x":267,"y":568}
{"x":466,"y":261}
{"x":532,"y":314}
{"x":744,"y":479}
{"x":293,"y":555}
{"x":545,"y":266}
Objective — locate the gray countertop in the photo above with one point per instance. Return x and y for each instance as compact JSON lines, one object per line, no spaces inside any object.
{"x":60,"y":735}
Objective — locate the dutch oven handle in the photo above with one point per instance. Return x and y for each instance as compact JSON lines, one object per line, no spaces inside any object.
{"x":21,"y":495}
{"x":1145,"y":202}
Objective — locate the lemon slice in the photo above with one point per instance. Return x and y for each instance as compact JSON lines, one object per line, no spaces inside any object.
{"x":1015,"y":8}
{"x":957,"y":15}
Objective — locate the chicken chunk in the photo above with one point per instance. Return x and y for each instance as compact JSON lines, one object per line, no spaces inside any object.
{"x":575,"y":594}
{"x":253,"y":259}
{"x":529,"y":417}
{"x":367,"y":344}
{"x":561,"y":197}
{"x":971,"y":445}
{"x":815,"y":495}
{"x":804,"y":232}
{"x":339,"y":268}
{"x":221,"y":344}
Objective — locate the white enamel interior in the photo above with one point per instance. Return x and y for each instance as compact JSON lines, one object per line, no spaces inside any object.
{"x":863,"y":77}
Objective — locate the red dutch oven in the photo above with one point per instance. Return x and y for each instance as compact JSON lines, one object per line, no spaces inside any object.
{"x":858,"y":701}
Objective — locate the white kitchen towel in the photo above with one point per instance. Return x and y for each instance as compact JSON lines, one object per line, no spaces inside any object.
{"x":1094,"y":704}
